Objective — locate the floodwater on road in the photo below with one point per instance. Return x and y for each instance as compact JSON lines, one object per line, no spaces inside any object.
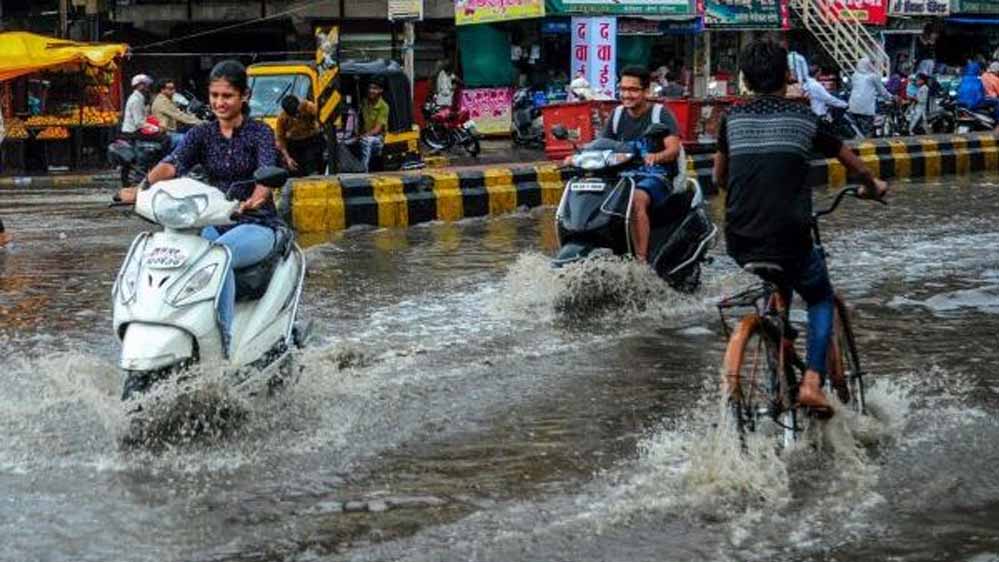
{"x":446,"y":411}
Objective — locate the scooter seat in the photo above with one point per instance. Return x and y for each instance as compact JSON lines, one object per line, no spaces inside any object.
{"x":252,"y":281}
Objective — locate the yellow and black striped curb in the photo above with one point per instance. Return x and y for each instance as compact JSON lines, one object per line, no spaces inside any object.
{"x":327,"y":204}
{"x":323,"y":204}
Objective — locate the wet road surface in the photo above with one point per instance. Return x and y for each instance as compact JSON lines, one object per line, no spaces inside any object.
{"x":447,"y":412}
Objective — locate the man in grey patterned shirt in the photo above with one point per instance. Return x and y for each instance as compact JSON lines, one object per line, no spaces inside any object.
{"x":764,"y":149}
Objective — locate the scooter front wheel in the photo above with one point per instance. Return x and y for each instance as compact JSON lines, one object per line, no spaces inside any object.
{"x":472,"y":146}
{"x":435,"y":138}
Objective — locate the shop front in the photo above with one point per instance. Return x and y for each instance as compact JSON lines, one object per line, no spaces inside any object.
{"x":971,"y":30}
{"x":60,"y":101}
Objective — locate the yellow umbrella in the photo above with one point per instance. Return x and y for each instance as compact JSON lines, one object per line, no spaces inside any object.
{"x":24,"y":53}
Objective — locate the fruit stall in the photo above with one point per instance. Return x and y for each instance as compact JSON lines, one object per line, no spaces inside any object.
{"x":60,"y":100}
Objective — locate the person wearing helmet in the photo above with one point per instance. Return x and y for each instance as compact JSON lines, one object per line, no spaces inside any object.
{"x":136,"y":110}
{"x":374,"y":122}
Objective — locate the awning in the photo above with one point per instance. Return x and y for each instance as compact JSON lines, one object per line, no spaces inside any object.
{"x":974,"y":21}
{"x":23,"y":53}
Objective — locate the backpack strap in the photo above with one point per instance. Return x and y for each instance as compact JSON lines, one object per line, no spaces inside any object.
{"x":616,"y":118}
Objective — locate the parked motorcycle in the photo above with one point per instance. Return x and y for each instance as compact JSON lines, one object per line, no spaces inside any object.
{"x":842,"y":124}
{"x":164,"y":298}
{"x":942,"y":119}
{"x":447,"y":127}
{"x":527,"y":127}
{"x":971,"y":120}
{"x":594,"y":215}
{"x":134,"y":157}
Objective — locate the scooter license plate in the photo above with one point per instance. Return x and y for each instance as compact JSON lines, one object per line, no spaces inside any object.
{"x":962,"y":129}
{"x":165,"y":257}
{"x":588,"y":185}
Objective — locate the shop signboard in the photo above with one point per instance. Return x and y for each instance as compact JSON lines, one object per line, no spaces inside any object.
{"x":871,"y":12}
{"x":744,"y":14}
{"x":919,"y":8}
{"x":405,"y":10}
{"x":594,"y":52}
{"x":976,"y":6}
{"x":622,"y":7}
{"x":484,"y":11}
{"x":490,"y":108}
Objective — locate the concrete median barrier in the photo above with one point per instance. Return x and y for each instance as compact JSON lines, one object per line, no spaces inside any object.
{"x":324,"y":204}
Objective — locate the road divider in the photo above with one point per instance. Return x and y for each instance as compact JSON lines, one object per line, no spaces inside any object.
{"x":324,"y":204}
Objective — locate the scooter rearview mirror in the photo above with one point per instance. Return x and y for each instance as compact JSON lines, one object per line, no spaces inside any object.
{"x":271,"y":176}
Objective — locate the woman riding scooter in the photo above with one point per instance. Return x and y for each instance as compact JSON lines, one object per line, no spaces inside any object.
{"x":228,"y":150}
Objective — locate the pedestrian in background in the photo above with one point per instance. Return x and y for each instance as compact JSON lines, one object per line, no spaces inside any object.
{"x":136,"y":110}
{"x":444,"y":85}
{"x":867,"y":88}
{"x":168,"y":114}
{"x":298,"y":137}
{"x":374,"y":122}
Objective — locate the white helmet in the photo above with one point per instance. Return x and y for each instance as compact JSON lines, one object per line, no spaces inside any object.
{"x":141,"y":79}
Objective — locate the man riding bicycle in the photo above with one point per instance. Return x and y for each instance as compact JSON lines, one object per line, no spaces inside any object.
{"x":764,"y":150}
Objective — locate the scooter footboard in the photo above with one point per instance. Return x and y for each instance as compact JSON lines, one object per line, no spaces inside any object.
{"x":148,"y":347}
{"x":685,"y":244}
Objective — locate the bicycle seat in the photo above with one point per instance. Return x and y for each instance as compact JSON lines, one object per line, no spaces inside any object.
{"x":763,"y":268}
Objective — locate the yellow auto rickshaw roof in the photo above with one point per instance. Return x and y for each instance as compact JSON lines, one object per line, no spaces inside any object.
{"x":23,"y":53}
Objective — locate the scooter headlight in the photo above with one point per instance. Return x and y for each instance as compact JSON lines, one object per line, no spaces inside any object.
{"x":195,"y":284}
{"x":618,"y":158}
{"x":180,"y":213}
{"x":591,"y":160}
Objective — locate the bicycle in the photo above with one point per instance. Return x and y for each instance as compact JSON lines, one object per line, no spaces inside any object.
{"x":762,"y":369}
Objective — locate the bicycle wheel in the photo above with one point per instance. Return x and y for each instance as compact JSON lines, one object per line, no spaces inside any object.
{"x":758,"y":397}
{"x":845,"y":376}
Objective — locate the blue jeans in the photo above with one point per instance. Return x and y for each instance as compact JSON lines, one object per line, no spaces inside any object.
{"x":809,"y":278}
{"x":370,"y":147}
{"x":248,"y":244}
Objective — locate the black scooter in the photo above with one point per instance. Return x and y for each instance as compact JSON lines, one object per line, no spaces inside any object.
{"x":594,"y":216}
{"x":527,"y":128}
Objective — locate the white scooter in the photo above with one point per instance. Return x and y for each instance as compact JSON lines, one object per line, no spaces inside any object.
{"x":167,"y":291}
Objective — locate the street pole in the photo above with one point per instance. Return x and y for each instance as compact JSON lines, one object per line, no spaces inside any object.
{"x":63,"y":17}
{"x":408,"y":59}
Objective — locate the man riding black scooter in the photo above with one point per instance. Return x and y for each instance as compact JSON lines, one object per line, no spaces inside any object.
{"x":632,"y":196}
{"x":628,"y":124}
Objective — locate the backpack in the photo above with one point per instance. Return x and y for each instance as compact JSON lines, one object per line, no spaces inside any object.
{"x":680,"y":181}
{"x":657,"y":112}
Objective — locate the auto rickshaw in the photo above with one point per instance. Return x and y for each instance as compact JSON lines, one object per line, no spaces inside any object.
{"x":270,"y":82}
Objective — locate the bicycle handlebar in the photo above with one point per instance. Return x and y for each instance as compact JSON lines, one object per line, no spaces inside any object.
{"x":850,"y":190}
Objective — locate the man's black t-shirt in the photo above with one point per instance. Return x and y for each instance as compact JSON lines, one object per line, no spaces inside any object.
{"x":769,"y":142}
{"x":631,"y":128}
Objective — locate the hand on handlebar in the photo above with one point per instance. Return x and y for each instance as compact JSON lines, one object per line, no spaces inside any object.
{"x":877,"y":192}
{"x":125,"y":195}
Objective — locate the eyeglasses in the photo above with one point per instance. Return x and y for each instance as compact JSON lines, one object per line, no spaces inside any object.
{"x":631,"y":89}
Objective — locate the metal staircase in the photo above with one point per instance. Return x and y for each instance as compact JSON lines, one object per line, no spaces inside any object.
{"x":841,"y":34}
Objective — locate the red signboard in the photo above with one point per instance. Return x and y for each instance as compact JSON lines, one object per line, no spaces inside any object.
{"x":871,"y":12}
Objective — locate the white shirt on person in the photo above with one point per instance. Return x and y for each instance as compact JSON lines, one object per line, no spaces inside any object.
{"x":444,"y":95}
{"x":819,"y":98}
{"x":135,"y":112}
